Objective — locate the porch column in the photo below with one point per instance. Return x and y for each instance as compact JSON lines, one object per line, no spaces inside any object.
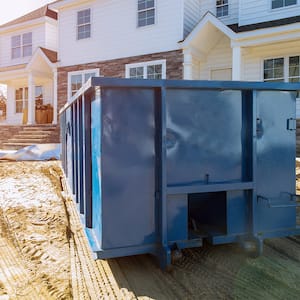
{"x":187,"y":65}
{"x":54,"y":97}
{"x":31,"y":104}
{"x":236,"y":62}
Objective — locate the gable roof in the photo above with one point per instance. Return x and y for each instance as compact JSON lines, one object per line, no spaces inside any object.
{"x":51,"y":55}
{"x":43,"y":11}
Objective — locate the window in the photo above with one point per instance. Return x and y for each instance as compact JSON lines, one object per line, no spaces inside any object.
{"x":147,"y":70}
{"x":21,"y":96}
{"x":77,"y":79}
{"x":146,"y":12}
{"x":21,"y":45}
{"x":83,"y":24}
{"x":282,"y":69}
{"x":282,"y":3}
{"x":222,"y":8}
{"x":38,"y":95}
{"x":274,"y":69}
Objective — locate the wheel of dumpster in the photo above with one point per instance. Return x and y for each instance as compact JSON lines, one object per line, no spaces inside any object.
{"x":253,"y":247}
{"x":176,"y":255}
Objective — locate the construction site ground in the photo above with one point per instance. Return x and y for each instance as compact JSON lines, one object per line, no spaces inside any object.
{"x":44,"y":253}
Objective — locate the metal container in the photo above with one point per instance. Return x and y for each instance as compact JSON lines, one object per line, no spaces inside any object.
{"x":161,"y":165}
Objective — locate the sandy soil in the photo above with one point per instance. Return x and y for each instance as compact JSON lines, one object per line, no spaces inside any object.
{"x":44,"y":254}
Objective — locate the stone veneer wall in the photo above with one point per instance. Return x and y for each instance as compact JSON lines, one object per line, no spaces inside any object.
{"x":116,"y":68}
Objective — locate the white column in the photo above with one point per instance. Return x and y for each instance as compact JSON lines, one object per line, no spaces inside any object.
{"x":187,"y":65}
{"x":54,"y":97}
{"x":31,"y":102}
{"x":236,"y":62}
{"x":10,"y":104}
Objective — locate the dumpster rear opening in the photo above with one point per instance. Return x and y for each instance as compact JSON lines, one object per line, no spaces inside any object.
{"x":161,"y":165}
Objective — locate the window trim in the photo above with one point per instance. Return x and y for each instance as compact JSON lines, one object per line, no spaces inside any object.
{"x":218,"y":6}
{"x":141,"y":10}
{"x":23,"y":100}
{"x":22,"y":45}
{"x":161,"y":62}
{"x":77,"y":26}
{"x":282,"y":7}
{"x":285,"y":66}
{"x":82,"y":72}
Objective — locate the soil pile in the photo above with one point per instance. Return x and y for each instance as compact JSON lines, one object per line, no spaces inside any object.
{"x":44,"y":253}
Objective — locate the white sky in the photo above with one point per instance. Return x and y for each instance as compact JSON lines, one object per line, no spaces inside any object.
{"x":12,"y":9}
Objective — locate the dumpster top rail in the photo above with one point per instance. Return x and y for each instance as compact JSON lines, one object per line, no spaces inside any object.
{"x":179,"y":84}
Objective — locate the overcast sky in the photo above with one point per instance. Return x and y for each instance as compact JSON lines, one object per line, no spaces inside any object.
{"x":12,"y":9}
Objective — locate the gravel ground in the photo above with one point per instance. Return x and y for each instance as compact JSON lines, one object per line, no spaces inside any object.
{"x":44,"y":253}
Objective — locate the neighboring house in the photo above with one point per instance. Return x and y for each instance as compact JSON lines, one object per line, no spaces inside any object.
{"x":190,"y":39}
{"x":28,"y":58}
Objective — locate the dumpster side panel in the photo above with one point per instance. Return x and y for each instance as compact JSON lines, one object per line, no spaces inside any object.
{"x":128,"y":167}
{"x":204,"y":143}
{"x":275,"y":160}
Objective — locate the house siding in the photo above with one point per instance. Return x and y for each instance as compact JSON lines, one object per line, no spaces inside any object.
{"x":220,"y":57}
{"x":115,"y":34}
{"x":116,"y":68}
{"x":51,"y":41}
{"x":38,"y":40}
{"x":253,"y":11}
{"x":253,"y":58}
{"x":191,"y":15}
{"x":210,"y":5}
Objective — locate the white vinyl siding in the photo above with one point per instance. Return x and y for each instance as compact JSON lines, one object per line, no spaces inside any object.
{"x":253,"y":11}
{"x":38,"y":40}
{"x":233,"y":10}
{"x":146,"y":70}
{"x":123,"y":39}
{"x":219,"y":58}
{"x":191,"y":15}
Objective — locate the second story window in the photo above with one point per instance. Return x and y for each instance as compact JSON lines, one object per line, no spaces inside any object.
{"x":83,"y":24}
{"x":282,"y":3}
{"x":21,"y":45}
{"x":222,"y":8}
{"x":146,"y":12}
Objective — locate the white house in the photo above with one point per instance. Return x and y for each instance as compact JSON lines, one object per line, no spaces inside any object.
{"x":28,"y":64}
{"x":175,"y":39}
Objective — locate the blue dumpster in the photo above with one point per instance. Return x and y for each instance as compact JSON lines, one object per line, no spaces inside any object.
{"x":158,"y":165}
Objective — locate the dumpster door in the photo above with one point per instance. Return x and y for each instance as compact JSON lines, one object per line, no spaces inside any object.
{"x":276,"y":148}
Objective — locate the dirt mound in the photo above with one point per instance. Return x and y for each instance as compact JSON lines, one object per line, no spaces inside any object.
{"x":44,"y":253}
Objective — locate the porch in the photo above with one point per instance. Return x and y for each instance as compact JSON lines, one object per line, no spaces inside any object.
{"x":31,"y":90}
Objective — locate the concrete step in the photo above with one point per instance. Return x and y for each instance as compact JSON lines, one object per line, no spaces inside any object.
{"x":15,"y":146}
{"x":31,"y":136}
{"x":26,"y":141}
{"x":39,"y":128}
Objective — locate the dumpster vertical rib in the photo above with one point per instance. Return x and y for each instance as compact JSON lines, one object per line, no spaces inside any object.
{"x":87,"y":165}
{"x":254,"y":162}
{"x":80,"y":153}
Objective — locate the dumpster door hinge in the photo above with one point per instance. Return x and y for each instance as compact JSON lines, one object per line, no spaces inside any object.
{"x":291,"y":124}
{"x":157,"y":195}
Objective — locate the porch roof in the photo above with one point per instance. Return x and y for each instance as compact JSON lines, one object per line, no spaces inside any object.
{"x":206,"y":34}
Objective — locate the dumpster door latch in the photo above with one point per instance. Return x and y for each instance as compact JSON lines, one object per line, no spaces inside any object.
{"x":291,"y":124}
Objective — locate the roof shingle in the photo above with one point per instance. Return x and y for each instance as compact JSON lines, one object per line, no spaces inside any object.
{"x":36,"y":14}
